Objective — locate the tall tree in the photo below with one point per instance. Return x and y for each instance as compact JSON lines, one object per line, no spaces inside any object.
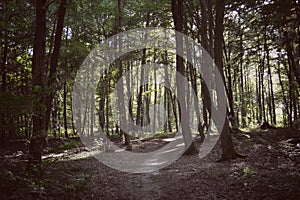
{"x":38,"y":74}
{"x":122,"y":110}
{"x":228,"y":150}
{"x":4,"y":68}
{"x":43,"y":90}
{"x":177,"y":11}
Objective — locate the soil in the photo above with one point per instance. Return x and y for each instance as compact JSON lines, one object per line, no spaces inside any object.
{"x":271,"y":170}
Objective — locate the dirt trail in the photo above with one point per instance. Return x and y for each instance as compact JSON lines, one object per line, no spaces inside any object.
{"x":142,"y":187}
{"x":271,"y":171}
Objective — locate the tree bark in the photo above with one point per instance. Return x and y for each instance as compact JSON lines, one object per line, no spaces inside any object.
{"x":232,"y":116}
{"x":54,"y":59}
{"x":206,"y":27}
{"x":242,"y":85}
{"x":120,"y":73}
{"x":228,"y":150}
{"x":177,"y":10}
{"x":3,"y":72}
{"x":38,"y":70}
{"x":65,"y":109}
{"x":41,"y":117}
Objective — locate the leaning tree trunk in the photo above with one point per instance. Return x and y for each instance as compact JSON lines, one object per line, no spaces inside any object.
{"x":54,"y":59}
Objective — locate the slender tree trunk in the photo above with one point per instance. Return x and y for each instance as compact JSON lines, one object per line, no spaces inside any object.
{"x":101,"y":113}
{"x":168,"y":101}
{"x":208,"y":47}
{"x":195,"y":89}
{"x":120,"y":74}
{"x":242,"y":96}
{"x":210,"y":27}
{"x":166,"y":92}
{"x":232,"y":117}
{"x":92,"y":117}
{"x":5,"y":51}
{"x":170,"y":129}
{"x":285,"y":108}
{"x":272,"y":103}
{"x":72,"y":117}
{"x":147,"y":100}
{"x":155,"y":97}
{"x":139,"y":114}
{"x":54,"y":117}
{"x":107,"y":104}
{"x":65,"y":109}
{"x":54,"y":59}
{"x":262,"y":72}
{"x":128,"y":88}
{"x":290,"y":91}
{"x":294,"y":76}
{"x":59,"y":120}
{"x":260,"y":96}
{"x":3,"y":72}
{"x":257,"y":93}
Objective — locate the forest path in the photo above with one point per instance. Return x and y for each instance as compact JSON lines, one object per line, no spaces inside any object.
{"x":142,"y":186}
{"x":271,"y":171}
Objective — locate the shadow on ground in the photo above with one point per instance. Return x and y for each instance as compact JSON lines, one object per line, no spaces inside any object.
{"x":271,"y":171}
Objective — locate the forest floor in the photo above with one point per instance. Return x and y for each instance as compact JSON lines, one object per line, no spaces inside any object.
{"x":271,"y":170}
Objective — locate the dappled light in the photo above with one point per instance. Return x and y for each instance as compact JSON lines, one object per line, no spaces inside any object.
{"x":149,"y":99}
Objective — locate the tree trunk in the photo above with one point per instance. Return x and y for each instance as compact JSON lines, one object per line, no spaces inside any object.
{"x":38,"y":70}
{"x":206,"y":27}
{"x":65,"y":110}
{"x":139,"y":114}
{"x":128,"y":88}
{"x":285,"y":108}
{"x":101,"y":113}
{"x":195,"y":89}
{"x":41,"y":117}
{"x":107,"y":103}
{"x":242,"y":96}
{"x":272,"y":101}
{"x":232,"y":116}
{"x":3,"y":72}
{"x":155,"y":97}
{"x":54,"y":59}
{"x":5,"y":52}
{"x":262,"y":72}
{"x":120,"y":74}
{"x":177,"y":10}
{"x":92,"y":116}
{"x":54,"y":117}
{"x":228,"y":151}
